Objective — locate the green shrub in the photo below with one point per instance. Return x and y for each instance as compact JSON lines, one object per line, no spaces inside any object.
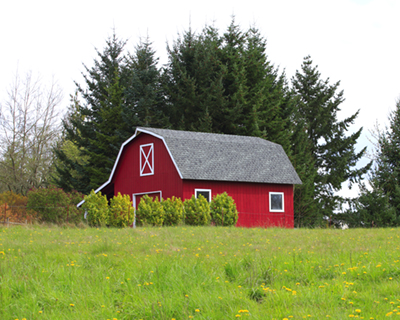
{"x":121,"y":211}
{"x":150,"y":212}
{"x":197,"y":211}
{"x":54,"y":205}
{"x":173,"y":209}
{"x":96,"y":206}
{"x":223,"y":210}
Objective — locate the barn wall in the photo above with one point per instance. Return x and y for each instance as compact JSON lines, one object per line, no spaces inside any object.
{"x":252,"y":201}
{"x":127,"y":179}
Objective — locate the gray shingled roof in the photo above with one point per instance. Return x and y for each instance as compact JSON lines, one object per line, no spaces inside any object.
{"x":222,"y":157}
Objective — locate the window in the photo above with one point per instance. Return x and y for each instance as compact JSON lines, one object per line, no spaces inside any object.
{"x":146,"y":159}
{"x":206,"y":193}
{"x":276,"y":203}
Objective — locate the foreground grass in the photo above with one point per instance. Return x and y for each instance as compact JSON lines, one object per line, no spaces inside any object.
{"x":198,"y":273}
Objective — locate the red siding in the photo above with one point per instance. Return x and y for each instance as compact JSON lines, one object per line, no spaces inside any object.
{"x":127,"y":179}
{"x":252,"y":201}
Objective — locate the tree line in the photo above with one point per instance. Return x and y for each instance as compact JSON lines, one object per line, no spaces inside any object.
{"x":220,"y":82}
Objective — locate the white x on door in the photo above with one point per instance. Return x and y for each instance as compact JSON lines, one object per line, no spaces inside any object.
{"x":146,"y":159}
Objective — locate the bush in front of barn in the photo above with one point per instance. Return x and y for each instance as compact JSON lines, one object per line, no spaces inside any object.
{"x":174,"y":212}
{"x":121,"y":211}
{"x":96,"y":208}
{"x":54,"y":205}
{"x":150,"y":212}
{"x":197,"y":211}
{"x":223,"y":210}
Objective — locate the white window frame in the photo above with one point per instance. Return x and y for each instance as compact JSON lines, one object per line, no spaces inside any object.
{"x":202,"y":190}
{"x":146,"y":157}
{"x":283,"y":202}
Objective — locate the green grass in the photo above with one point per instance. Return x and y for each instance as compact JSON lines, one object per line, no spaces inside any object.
{"x":198,"y":273}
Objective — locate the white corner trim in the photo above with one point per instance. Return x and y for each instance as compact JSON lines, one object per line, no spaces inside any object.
{"x":137,"y":132}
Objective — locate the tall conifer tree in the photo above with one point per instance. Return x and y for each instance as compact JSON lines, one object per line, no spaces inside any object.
{"x":119,"y":94}
{"x":225,"y":84}
{"x":144,"y":93}
{"x":379,"y":206}
{"x":193,"y":82}
{"x":334,"y":153}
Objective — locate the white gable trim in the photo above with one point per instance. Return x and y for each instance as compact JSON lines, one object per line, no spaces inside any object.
{"x":166,"y":146}
{"x":137,"y":132}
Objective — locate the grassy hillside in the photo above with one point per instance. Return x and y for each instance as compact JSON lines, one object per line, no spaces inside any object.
{"x":198,"y":273}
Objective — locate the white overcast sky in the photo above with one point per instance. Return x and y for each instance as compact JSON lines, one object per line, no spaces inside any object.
{"x":354,"y":41}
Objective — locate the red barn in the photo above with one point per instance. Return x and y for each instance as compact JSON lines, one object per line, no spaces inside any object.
{"x":162,"y":163}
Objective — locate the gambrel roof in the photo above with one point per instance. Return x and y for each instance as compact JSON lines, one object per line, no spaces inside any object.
{"x":222,"y":157}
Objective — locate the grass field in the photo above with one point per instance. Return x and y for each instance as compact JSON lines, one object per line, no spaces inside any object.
{"x":198,"y":273}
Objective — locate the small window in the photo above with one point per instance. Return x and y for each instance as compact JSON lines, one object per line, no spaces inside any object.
{"x":146,"y":159}
{"x":206,"y":193}
{"x":276,"y":203}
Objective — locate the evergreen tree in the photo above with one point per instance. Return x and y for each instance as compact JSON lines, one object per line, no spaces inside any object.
{"x":334,"y":153}
{"x":120,"y":93}
{"x":305,"y":207}
{"x":386,"y":172}
{"x":268,"y":108}
{"x":68,"y":157}
{"x":232,"y":119}
{"x":193,"y":82}
{"x":225,"y":84}
{"x":381,"y":205}
{"x":93,"y":129}
{"x":144,"y":93}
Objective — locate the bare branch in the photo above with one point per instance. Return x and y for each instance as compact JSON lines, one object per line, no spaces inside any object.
{"x":29,"y":127}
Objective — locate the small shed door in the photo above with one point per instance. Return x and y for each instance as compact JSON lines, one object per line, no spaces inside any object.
{"x":137,"y":197}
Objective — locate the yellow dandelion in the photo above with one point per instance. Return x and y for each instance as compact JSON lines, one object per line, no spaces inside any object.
{"x":358,"y":310}
{"x":197,"y":310}
{"x":71,"y":305}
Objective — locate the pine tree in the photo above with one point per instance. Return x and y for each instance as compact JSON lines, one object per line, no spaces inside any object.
{"x":68,"y":157}
{"x":225,"y":84}
{"x":93,"y":128}
{"x":144,"y":92}
{"x":385,"y":175}
{"x":268,"y":109}
{"x":193,"y":82}
{"x":306,"y":211}
{"x":232,"y":119}
{"x":120,"y":93}
{"x":334,"y":153}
